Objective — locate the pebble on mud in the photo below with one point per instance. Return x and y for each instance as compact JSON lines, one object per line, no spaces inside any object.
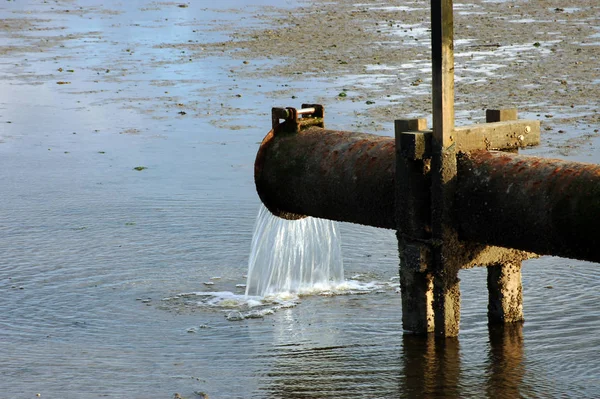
{"x":235,"y":316}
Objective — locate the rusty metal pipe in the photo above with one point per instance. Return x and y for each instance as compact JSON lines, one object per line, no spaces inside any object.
{"x":534,"y":204}
{"x":546,"y":206}
{"x":329,"y":174}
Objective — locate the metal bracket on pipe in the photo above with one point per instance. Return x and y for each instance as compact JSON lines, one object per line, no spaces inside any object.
{"x":296,"y":120}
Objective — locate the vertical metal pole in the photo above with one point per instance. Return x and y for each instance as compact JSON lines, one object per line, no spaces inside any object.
{"x":443,"y":168}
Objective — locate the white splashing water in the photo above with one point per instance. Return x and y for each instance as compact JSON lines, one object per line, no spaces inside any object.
{"x":288,"y":259}
{"x":293,"y":256}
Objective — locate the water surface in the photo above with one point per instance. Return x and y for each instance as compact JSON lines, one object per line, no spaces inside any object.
{"x":92,"y":248}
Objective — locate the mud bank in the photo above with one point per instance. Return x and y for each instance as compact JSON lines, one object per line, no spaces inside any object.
{"x":540,"y":57}
{"x":370,"y":60}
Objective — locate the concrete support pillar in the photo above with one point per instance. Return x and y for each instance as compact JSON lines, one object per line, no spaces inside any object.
{"x":446,"y":303}
{"x":504,"y":279}
{"x":446,"y":257}
{"x":413,"y":219}
{"x":447,"y":254}
{"x":505,"y":293}
{"x":430,"y":297}
{"x":416,"y":285}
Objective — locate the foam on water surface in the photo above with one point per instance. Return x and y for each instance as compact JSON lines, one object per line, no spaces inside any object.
{"x":237,"y":306}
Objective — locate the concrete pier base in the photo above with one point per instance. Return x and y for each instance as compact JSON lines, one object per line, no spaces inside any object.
{"x":430,"y":297}
{"x":430,"y":302}
{"x":416,"y":284}
{"x":446,"y":305}
{"x":417,"y":301}
{"x":505,"y":293}
{"x":505,"y":288}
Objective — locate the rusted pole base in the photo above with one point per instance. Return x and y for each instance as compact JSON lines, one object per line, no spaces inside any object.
{"x":505,"y":293}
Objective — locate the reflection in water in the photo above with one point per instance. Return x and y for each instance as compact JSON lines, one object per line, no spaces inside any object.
{"x":318,"y":360}
{"x":310,"y":366}
{"x":506,"y":368}
{"x":431,"y":367}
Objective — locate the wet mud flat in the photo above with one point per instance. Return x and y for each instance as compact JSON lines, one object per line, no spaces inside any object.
{"x":540,"y":57}
{"x":368,"y":61}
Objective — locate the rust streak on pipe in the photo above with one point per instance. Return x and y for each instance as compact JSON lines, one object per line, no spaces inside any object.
{"x":547,"y":206}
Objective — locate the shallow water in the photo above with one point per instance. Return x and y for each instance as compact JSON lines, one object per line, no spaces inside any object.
{"x":101,"y":264}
